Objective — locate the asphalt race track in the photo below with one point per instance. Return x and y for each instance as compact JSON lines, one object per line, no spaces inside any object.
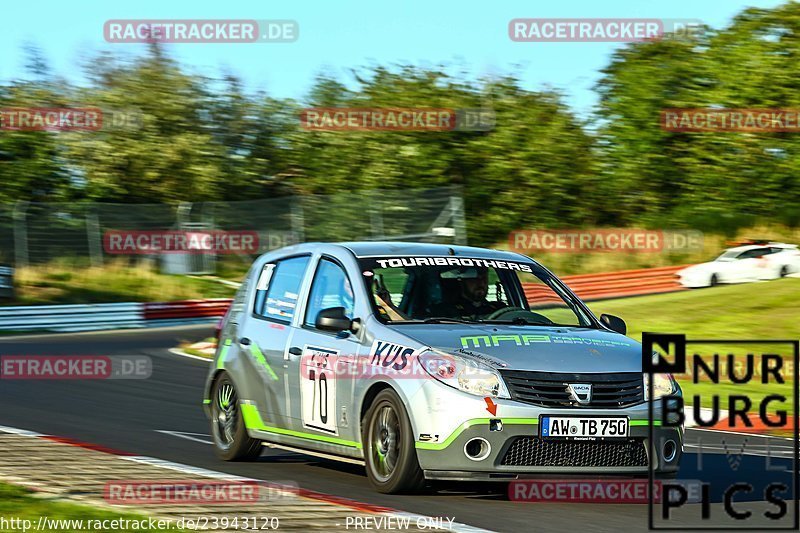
{"x":132,"y":415}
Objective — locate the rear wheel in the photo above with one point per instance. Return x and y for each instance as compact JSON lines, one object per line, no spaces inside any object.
{"x":231,"y":441}
{"x":390,"y":456}
{"x":714,"y":280}
{"x":784,"y":271}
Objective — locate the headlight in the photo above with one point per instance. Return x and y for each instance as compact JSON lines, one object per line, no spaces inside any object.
{"x":663,"y":385}
{"x":464,"y":374}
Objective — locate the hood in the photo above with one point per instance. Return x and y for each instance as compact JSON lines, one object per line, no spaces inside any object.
{"x":544,"y":349}
{"x":700,"y":268}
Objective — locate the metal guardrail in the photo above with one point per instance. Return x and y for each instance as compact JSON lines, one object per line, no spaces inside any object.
{"x":69,"y":318}
{"x":212,"y":307}
{"x":90,"y":317}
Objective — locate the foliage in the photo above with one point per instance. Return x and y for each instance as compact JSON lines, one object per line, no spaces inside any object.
{"x":540,"y":166}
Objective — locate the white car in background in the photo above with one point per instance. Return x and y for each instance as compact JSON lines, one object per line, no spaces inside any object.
{"x":751,"y":262}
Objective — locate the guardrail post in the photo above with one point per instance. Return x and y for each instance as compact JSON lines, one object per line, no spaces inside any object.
{"x":20,"y":234}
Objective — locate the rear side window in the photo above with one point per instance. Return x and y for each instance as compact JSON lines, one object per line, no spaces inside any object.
{"x":278,"y":288}
{"x":756,"y":252}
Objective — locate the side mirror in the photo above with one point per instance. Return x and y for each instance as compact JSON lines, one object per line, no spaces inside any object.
{"x":333,"y":319}
{"x":614,"y":323}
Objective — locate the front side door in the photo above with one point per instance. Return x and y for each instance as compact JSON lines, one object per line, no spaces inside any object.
{"x":322,"y":376}
{"x":268,"y":333}
{"x":747,"y":265}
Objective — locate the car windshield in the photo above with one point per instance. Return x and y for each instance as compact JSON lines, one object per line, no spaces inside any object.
{"x":728,"y":256}
{"x":414,"y":290}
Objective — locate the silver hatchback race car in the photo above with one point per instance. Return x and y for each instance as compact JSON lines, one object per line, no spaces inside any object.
{"x":431,"y":361}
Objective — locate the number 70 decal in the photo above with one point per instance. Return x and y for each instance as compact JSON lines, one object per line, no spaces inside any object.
{"x":318,"y":388}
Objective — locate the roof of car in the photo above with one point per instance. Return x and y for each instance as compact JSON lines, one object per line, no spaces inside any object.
{"x":744,"y":248}
{"x":747,"y":247}
{"x":393,"y":248}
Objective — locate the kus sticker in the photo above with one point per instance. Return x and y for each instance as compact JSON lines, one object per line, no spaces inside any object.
{"x":388,"y":354}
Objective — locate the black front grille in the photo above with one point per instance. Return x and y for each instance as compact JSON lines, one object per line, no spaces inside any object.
{"x":609,"y":391}
{"x":533,"y":451}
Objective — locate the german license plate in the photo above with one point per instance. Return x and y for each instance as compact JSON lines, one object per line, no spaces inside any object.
{"x":573,"y":427}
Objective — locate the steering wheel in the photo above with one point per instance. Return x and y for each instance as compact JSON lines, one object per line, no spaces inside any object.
{"x":511,"y":312}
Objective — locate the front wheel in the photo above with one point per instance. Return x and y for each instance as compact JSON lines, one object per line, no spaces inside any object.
{"x":231,"y":441}
{"x":390,"y":456}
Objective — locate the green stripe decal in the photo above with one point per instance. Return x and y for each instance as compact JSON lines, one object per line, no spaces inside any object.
{"x":261,"y":359}
{"x":468,"y":424}
{"x":644,"y":422}
{"x":206,"y":401}
{"x":506,"y":421}
{"x":223,"y":353}
{"x":252,"y":419}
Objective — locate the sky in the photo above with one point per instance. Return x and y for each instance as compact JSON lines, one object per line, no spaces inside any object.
{"x":338,"y":35}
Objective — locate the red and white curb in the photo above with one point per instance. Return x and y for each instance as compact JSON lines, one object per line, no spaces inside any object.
{"x":212,"y":474}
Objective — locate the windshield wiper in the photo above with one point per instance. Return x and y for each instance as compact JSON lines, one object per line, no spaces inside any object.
{"x":521,"y":321}
{"x":445,"y":319}
{"x":518,"y":321}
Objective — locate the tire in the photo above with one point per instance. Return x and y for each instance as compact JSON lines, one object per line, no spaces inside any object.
{"x":784,"y":271}
{"x":231,"y":441}
{"x":389,"y":454}
{"x":714,"y":281}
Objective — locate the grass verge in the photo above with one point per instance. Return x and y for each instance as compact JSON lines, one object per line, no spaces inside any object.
{"x":767,"y":310}
{"x":24,"y":505}
{"x":68,"y":282}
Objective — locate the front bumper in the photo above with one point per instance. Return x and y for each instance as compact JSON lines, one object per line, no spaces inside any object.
{"x":446,"y":421}
{"x":516,"y":450}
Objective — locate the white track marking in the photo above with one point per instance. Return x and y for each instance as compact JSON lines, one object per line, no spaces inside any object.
{"x":187,"y":469}
{"x":186,"y":435}
{"x":176,"y":351}
{"x":22,"y":432}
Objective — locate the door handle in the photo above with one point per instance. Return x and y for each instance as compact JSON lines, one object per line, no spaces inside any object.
{"x":244,"y":341}
{"x":294,"y":350}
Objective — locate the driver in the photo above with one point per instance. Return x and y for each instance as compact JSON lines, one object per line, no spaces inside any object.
{"x":470,"y":300}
